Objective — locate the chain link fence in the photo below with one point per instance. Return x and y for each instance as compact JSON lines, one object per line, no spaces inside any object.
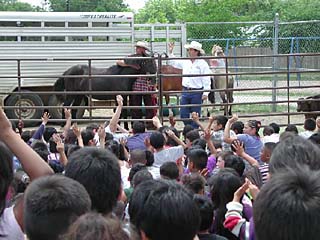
{"x":266,"y":38}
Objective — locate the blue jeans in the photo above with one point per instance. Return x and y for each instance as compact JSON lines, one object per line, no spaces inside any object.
{"x":190,"y":98}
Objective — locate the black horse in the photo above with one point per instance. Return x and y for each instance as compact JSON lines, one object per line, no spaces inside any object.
{"x":121,"y":83}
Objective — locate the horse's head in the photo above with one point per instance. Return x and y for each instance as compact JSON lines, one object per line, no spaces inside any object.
{"x":148,"y":65}
{"x":217,"y":51}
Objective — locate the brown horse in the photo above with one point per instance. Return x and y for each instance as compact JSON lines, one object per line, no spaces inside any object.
{"x":171,"y":83}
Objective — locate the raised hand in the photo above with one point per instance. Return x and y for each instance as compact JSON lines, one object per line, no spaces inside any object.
{"x":119,"y":100}
{"x":171,"y":47}
{"x":238,"y":146}
{"x":45,"y":118}
{"x":234,"y":118}
{"x":76,"y":130}
{"x":67,"y":113}
{"x":5,"y":124}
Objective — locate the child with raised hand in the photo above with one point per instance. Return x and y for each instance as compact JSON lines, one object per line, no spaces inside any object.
{"x":11,"y":223}
{"x":234,"y":221}
{"x":250,"y":137}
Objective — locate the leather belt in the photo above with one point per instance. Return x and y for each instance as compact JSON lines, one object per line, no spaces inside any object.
{"x":189,"y":88}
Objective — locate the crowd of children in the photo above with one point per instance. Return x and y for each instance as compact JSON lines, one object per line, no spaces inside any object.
{"x":220,"y":181}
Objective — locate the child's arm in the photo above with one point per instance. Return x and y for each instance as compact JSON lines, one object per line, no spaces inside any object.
{"x":38,"y":134}
{"x":156,"y":122}
{"x":32,"y":163}
{"x":195,"y":118}
{"x":234,"y":220}
{"x":60,"y":148}
{"x":238,"y":146}
{"x":175,"y":138}
{"x":115,"y":118}
{"x":102,"y":136}
{"x":207,"y":137}
{"x":77,"y":132}
{"x":226,"y":136}
{"x":67,"y":114}
{"x":211,"y":119}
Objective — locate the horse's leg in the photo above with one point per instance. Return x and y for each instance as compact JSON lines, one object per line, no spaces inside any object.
{"x":76,"y":102}
{"x":170,"y":111}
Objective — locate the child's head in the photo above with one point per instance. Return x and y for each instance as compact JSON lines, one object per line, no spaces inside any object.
{"x":98,"y":171}
{"x":138,"y":127}
{"x":169,"y":171}
{"x":140,"y":177}
{"x":219,"y":122}
{"x":293,"y":193}
{"x":163,"y":216}
{"x":221,"y":157}
{"x":293,"y":152}
{"x":267,"y":151}
{"x":275,"y":127}
{"x":198,"y":159}
{"x":157,"y":140}
{"x":252,"y":127}
{"x":235,"y":162}
{"x":92,"y":226}
{"x":237,"y":127}
{"x":267,"y":131}
{"x":206,"y":211}
{"x":137,"y":156}
{"x":51,"y":204}
{"x":191,"y":136}
{"x":292,"y":128}
{"x":88,"y":137}
{"x":136,"y":168}
{"x":194,"y":182}
{"x":310,"y":124}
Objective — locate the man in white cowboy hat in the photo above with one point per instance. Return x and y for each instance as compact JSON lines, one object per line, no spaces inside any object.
{"x":195,"y":66}
{"x":142,"y":84}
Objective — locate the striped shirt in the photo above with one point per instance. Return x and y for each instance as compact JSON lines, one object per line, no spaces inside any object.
{"x":264,"y":170}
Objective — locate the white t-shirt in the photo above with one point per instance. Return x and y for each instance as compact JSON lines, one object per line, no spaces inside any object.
{"x":171,"y":154}
{"x":9,"y":227}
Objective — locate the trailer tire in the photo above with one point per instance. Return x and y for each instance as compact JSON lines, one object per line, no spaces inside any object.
{"x":56,"y":113}
{"x":27,"y":100}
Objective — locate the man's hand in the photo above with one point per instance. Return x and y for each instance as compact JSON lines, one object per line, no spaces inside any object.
{"x":171,"y":47}
{"x":204,"y":97}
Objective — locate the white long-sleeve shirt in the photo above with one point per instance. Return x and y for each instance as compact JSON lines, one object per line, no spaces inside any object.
{"x":198,"y":67}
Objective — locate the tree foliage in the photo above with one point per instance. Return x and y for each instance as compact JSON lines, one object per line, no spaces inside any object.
{"x":14,"y":5}
{"x":88,"y":6}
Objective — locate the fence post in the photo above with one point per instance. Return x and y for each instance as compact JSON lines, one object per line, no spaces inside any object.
{"x":275,"y":60}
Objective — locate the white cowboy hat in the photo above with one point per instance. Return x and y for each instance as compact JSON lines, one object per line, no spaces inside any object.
{"x":142,"y":44}
{"x":195,"y":45}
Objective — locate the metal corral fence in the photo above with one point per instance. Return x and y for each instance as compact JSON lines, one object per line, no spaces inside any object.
{"x":245,"y":104}
{"x":265,"y":38}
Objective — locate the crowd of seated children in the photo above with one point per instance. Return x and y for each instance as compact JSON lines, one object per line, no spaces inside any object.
{"x":150,"y":173}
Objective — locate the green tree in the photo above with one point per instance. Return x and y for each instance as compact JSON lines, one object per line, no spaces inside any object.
{"x":88,"y":6}
{"x":14,"y":5}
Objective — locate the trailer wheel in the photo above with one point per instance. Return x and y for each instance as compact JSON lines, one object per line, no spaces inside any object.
{"x":26,"y":100}
{"x":56,"y":113}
